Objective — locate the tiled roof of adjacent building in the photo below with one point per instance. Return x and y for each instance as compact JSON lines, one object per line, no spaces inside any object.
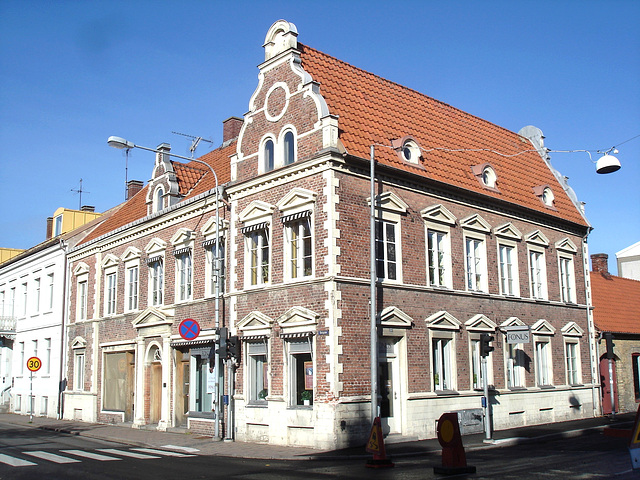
{"x":616,"y":303}
{"x":193,"y":179}
{"x":373,"y":110}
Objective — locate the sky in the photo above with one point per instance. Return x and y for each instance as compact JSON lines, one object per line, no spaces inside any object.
{"x":73,"y":73}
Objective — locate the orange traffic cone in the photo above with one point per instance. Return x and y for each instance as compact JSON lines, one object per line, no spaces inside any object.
{"x":375,"y":445}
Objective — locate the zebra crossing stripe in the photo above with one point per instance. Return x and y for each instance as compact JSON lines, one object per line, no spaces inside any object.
{"x":52,"y":457}
{"x":14,"y":462}
{"x":180,"y":448}
{"x":90,"y":455}
{"x":125,"y":453}
{"x":153,"y":451}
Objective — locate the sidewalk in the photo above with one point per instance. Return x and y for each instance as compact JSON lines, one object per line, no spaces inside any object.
{"x":208,"y":446}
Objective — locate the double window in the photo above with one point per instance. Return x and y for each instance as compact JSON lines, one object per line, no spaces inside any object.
{"x":156,"y":280}
{"x":572,"y":359}
{"x":475,"y":265}
{"x":438,"y":258}
{"x":386,"y":258}
{"x":441,"y":354}
{"x":257,"y":242}
{"x":298,"y":236}
{"x":132,"y":287}
{"x":257,"y":365}
{"x":184,"y":274}
{"x":301,"y":378}
{"x":515,"y":365}
{"x":537,"y":274}
{"x":508,"y":267}
{"x":277,"y":153}
{"x":567,"y":279}
{"x":110,"y":293}
{"x":543,"y":362}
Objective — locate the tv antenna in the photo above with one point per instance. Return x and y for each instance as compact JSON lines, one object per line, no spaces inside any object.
{"x":79,"y":190}
{"x":195,"y":141}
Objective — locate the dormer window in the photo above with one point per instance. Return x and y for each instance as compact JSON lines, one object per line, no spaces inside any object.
{"x":486,"y":175}
{"x":408,"y":149}
{"x":546,"y":195}
{"x":158,"y":200}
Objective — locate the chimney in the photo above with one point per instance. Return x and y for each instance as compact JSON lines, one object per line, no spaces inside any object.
{"x":49,"y":227}
{"x":88,"y":208}
{"x":133,"y":187}
{"x":231,"y":128}
{"x":600,"y":263}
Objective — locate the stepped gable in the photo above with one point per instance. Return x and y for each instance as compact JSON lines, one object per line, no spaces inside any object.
{"x":193,"y":179}
{"x":616,"y":303}
{"x":374,"y":110}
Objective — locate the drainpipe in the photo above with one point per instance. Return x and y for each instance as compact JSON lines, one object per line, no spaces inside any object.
{"x":62,"y":384}
{"x":593,"y":354}
{"x":374,"y":330}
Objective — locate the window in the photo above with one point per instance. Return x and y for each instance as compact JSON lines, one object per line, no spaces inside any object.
{"x":298,"y":234}
{"x":301,"y":377}
{"x":18,"y":405}
{"x":477,"y":377}
{"x":537,"y":275}
{"x":12,"y":301}
{"x":158,"y":200}
{"x":34,"y":344}
{"x":201,"y":382}
{"x":515,"y":365}
{"x":110,"y":293}
{"x":44,"y":406}
{"x":441,"y":356}
{"x":572,"y":359}
{"x":184,"y":274}
{"x":57,"y":226}
{"x":36,"y":302}
{"x":489,"y":177}
{"x":78,"y":371}
{"x":567,"y":279}
{"x":116,"y":371}
{"x":438,"y":259}
{"x":2,"y":303}
{"x":156,"y":281}
{"x":543,"y":362}
{"x":475,"y":265}
{"x":47,"y":357}
{"x":508,"y":269}
{"x":547,"y":197}
{"x":82,"y":300}
{"x":25,"y":300}
{"x":289,"y":148}
{"x":50,"y":288}
{"x":215,"y":253}
{"x":268,"y":156}
{"x":257,"y":366}
{"x":132,"y":287}
{"x":386,"y":259}
{"x":22,"y":359}
{"x":635,"y":366}
{"x":257,"y":242}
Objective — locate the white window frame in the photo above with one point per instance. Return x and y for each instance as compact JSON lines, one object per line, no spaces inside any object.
{"x":158,"y":199}
{"x":475,"y":263}
{"x":132,"y":273}
{"x":79,"y":359}
{"x":442,"y":351}
{"x":514,"y":365}
{"x":571,"y":334}
{"x":184,"y":276}
{"x":25,"y":298}
{"x":389,"y":209}
{"x":264,"y":167}
{"x":257,"y":231}
{"x":536,"y":259}
{"x":50,"y":288}
{"x":110,"y":292}
{"x":283,"y":137}
{"x":210,"y":244}
{"x":508,"y":272}
{"x":567,"y":274}
{"x":257,"y":365}
{"x":440,"y":266}
{"x":47,"y":357}
{"x":156,"y":282}
{"x":294,"y":365}
{"x":37,"y":293}
{"x":295,"y":249}
{"x":82,"y":298}
{"x":22,"y":359}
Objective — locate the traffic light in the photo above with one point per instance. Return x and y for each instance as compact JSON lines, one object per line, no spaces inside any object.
{"x":485,"y":344}
{"x":222,"y":342}
{"x":233,"y":348}
{"x":608,"y":337}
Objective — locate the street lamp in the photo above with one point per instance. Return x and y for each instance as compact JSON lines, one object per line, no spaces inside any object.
{"x":122,"y":144}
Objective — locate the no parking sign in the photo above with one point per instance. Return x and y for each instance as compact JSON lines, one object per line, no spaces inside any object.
{"x":189,"y":329}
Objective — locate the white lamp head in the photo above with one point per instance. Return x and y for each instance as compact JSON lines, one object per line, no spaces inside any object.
{"x":607,"y":164}
{"x":118,"y":142}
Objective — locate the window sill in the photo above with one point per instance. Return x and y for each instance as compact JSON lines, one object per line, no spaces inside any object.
{"x":446,"y":392}
{"x":194,"y":414}
{"x":546,"y":387}
{"x":257,"y":405}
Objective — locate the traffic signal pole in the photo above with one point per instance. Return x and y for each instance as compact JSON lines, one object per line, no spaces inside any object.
{"x":487,"y":403}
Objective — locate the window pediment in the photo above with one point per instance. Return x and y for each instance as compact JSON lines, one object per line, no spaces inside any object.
{"x":391,"y":202}
{"x":152,"y":317}
{"x":512,"y":322}
{"x":475,"y":222}
{"x":572,"y":329}
{"x":566,"y":245}
{"x":393,"y":317}
{"x":256,"y":323}
{"x":296,"y":198}
{"x":109,"y":260}
{"x":298,"y":318}
{"x":538,"y":238}
{"x":543,"y":327}
{"x":81,"y":269}
{"x":131,"y":253}
{"x":78,"y":343}
{"x":155,"y":247}
{"x":508,"y":230}
{"x":443,"y":321}
{"x":256,"y":210}
{"x":182,"y":237}
{"x":438,"y":213}
{"x":480,"y":323}
{"x":209,"y":228}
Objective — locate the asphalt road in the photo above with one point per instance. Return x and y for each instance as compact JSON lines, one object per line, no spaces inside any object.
{"x":28,"y":453}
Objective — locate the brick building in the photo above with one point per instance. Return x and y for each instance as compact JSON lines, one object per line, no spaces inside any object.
{"x":616,"y":311}
{"x":474,"y":232}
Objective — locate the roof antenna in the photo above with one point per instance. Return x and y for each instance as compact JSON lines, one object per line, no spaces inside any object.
{"x":79,"y":190}
{"x":195,"y":141}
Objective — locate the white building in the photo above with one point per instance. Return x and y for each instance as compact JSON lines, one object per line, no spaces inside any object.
{"x":629,"y":262}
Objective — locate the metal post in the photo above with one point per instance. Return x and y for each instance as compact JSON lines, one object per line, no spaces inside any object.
{"x":374,"y":330}
{"x":31,"y":397}
{"x":487,"y":402}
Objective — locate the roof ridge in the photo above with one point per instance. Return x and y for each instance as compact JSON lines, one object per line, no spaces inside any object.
{"x":302,"y":46}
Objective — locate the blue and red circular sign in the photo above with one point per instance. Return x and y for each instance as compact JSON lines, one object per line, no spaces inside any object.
{"x":189,"y":329}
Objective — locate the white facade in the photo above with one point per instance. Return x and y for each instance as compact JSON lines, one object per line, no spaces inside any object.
{"x":629,"y":262}
{"x":32,"y":299}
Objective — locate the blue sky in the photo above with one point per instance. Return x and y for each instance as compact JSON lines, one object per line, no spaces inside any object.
{"x":72,"y":73}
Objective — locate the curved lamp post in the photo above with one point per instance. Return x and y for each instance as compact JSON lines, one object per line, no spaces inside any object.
{"x":122,"y":144}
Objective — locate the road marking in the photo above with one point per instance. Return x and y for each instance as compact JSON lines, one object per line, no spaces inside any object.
{"x":91,"y":455}
{"x":52,"y":457}
{"x":183,"y":449}
{"x":162,"y":452}
{"x":14,"y":462}
{"x":126,"y":453}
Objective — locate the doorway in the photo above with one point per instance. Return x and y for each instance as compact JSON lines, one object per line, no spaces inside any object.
{"x":155,"y":406}
{"x":389,"y":385}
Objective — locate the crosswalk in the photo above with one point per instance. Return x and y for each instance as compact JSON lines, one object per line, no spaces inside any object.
{"x":28,"y":458}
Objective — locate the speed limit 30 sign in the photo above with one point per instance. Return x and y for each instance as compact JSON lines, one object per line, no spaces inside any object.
{"x":34,"y":364}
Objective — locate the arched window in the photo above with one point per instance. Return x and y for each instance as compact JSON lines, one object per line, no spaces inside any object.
{"x":268,"y":155}
{"x":158,"y":200}
{"x":289,"y":148}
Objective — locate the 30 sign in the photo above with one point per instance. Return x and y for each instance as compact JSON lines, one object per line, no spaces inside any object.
{"x":34,"y":364}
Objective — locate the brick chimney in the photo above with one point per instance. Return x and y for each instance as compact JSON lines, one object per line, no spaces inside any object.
{"x":49,"y":227}
{"x":600,"y":263}
{"x":88,"y":208}
{"x":133,"y":187}
{"x":231,"y":128}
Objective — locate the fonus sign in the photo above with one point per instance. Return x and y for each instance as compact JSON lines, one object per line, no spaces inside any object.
{"x":518,"y":334}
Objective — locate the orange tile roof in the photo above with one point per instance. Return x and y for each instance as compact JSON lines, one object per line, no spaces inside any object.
{"x":616,"y":303}
{"x":373,"y":110}
{"x":193,"y":179}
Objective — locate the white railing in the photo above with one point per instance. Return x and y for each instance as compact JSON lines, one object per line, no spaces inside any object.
{"x":8,"y":325}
